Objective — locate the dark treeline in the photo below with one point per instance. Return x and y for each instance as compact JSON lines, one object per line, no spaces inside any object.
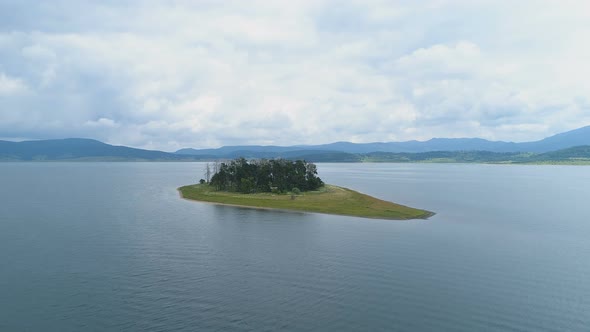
{"x":277,"y":175}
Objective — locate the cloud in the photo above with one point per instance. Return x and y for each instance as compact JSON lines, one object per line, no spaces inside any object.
{"x":204,"y":74}
{"x":10,"y":85}
{"x":102,"y":122}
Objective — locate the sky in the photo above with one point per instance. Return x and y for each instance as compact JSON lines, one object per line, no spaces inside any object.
{"x":173,"y":74}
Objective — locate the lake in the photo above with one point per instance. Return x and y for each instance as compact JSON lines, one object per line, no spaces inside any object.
{"x":112,"y":247}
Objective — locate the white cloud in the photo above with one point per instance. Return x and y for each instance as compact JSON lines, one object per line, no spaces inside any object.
{"x":204,"y":74}
{"x":102,"y":122}
{"x":461,"y":57}
{"x":10,"y":85}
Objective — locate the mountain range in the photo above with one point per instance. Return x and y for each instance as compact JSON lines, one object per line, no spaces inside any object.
{"x":565,"y":140}
{"x":436,"y":149}
{"x":79,"y":149}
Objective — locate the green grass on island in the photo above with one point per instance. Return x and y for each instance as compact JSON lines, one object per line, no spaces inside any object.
{"x":329,"y":199}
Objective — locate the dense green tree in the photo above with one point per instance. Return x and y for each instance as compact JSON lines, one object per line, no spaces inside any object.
{"x":280,"y":175}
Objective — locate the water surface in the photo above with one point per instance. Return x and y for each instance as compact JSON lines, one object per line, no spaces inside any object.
{"x":111,"y":247}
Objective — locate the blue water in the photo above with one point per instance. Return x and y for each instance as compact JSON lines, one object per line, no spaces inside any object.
{"x":111,"y":247}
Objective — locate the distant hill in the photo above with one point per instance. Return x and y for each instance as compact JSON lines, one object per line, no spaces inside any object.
{"x":230,"y":150}
{"x":565,"y":140}
{"x":574,"y":138}
{"x":79,"y":149}
{"x":569,"y":147}
{"x":575,"y":155}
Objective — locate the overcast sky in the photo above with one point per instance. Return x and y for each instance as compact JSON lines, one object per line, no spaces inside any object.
{"x":173,"y":74}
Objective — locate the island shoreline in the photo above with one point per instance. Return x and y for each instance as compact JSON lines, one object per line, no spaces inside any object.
{"x":425,"y":215}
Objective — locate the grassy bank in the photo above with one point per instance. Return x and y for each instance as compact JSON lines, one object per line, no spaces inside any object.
{"x":330,"y":199}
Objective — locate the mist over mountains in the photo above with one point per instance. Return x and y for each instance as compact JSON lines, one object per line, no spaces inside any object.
{"x":436,"y":149}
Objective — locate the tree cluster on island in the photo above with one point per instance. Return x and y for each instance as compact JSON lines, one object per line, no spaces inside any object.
{"x":274,"y":175}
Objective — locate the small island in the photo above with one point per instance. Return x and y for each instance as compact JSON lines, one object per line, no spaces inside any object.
{"x":289,"y":185}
